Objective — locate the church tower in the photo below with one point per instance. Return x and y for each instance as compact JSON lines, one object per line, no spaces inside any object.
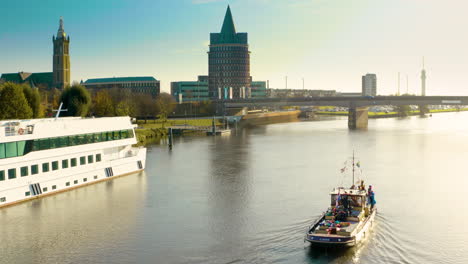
{"x":61,"y":63}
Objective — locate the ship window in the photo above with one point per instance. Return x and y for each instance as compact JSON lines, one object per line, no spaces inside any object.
{"x":72,"y":141}
{"x":90,"y":159}
{"x":44,"y":189}
{"x":109,"y":136}
{"x":11,"y":173}
{"x":54,"y":187}
{"x":85,"y":179}
{"x":124,"y":134}
{"x":82,"y":160}
{"x":34,"y":169}
{"x":3,"y":199}
{"x":44,"y":144}
{"x":98,"y":157}
{"x":27,"y":193}
{"x":98,"y":137}
{"x":63,"y":142}
{"x":64,"y":164}
{"x":24,"y":171}
{"x":73,"y":162}
{"x":2,"y":151}
{"x":75,"y":182}
{"x":45,"y":167}
{"x":95,"y":177}
{"x":67,"y":184}
{"x":2,"y":175}
{"x":11,"y":150}
{"x":21,"y":145}
{"x":53,"y":143}
{"x":55,"y":165}
{"x":81,"y":139}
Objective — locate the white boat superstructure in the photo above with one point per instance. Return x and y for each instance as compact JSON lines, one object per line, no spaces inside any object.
{"x":43,"y":156}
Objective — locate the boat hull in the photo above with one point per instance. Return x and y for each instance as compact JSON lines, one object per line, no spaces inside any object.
{"x":335,"y":240}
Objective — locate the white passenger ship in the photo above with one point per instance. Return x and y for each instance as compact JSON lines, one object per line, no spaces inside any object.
{"x":43,"y":156}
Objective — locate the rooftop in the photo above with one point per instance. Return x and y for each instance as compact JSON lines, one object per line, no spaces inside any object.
{"x":121,"y":79}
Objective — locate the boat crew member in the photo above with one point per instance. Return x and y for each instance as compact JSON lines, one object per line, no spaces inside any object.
{"x":371,"y":195}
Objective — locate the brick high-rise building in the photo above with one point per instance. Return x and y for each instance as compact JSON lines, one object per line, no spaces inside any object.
{"x":229,"y":62}
{"x":61,"y":60}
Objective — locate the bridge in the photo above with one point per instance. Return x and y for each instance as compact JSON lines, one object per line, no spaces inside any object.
{"x":358,"y":106}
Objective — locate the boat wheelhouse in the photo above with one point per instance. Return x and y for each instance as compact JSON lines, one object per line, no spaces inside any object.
{"x":44,"y":156}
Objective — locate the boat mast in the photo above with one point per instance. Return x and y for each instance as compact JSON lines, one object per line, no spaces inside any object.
{"x":353,"y":169}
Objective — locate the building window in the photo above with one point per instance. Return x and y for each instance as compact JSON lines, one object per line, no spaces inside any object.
{"x":45,"y":167}
{"x":55,"y":165}
{"x":11,"y":173}
{"x":67,"y":184}
{"x":98,"y":157}
{"x":2,"y":175}
{"x":90,"y":159}
{"x":75,"y":182}
{"x":27,"y":193}
{"x":64,"y":164}
{"x":54,"y":187}
{"x":24,"y":171}
{"x":82,"y":160}
{"x":73,"y":162}
{"x":34,"y":169}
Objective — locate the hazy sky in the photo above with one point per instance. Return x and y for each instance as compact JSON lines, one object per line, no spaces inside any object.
{"x":329,"y":43}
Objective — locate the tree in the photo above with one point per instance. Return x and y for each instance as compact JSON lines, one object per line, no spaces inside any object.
{"x":13,"y":103}
{"x":125,"y":108}
{"x":34,"y":100}
{"x":423,"y":109}
{"x":103,"y":104}
{"x":165,"y":104}
{"x":145,"y":105}
{"x":76,"y":99}
{"x":403,"y":110}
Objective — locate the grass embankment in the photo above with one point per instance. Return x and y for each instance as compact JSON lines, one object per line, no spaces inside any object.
{"x":153,"y":130}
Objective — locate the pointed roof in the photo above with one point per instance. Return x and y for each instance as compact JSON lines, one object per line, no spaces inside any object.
{"x":228,"y":24}
{"x":61,"y":32}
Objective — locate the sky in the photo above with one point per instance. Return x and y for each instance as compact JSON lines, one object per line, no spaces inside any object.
{"x":329,"y":44}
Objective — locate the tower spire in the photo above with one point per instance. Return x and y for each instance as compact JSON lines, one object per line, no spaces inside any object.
{"x":61,"y":30}
{"x":228,"y":24}
{"x":423,"y":79}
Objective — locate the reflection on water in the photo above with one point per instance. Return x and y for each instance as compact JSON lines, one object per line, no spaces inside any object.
{"x":249,"y":198}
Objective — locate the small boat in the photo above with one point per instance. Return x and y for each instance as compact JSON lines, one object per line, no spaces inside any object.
{"x":347,"y":220}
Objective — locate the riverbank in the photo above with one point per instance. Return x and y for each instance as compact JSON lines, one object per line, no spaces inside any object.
{"x":391,"y":114}
{"x":151,"y":131}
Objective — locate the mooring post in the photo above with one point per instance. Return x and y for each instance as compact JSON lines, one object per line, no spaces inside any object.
{"x":170,"y":138}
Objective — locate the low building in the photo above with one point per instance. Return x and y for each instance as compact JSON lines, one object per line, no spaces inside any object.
{"x":350,"y":94}
{"x":145,"y":85}
{"x":191,"y":91}
{"x":258,"y":89}
{"x":44,"y":80}
{"x":285,"y":93}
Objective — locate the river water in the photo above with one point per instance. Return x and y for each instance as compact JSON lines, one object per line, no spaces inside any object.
{"x":249,"y":198}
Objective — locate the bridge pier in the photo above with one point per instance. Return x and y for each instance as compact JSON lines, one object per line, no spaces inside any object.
{"x":358,"y":117}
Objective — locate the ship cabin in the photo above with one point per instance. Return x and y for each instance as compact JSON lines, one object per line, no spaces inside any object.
{"x":352,"y":201}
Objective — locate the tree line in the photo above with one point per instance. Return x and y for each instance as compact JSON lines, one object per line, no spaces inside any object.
{"x":20,"y":101}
